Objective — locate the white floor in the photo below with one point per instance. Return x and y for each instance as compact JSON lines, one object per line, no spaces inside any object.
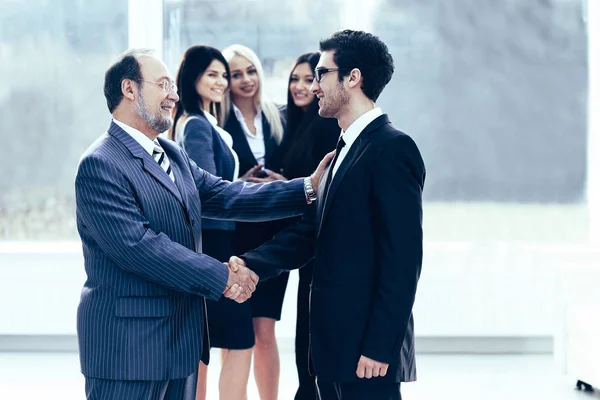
{"x":49,"y":376}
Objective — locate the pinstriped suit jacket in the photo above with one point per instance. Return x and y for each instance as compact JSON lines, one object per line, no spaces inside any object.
{"x":141,"y":315}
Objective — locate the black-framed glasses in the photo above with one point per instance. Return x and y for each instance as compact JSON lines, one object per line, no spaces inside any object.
{"x":166,"y":86}
{"x":319,"y":72}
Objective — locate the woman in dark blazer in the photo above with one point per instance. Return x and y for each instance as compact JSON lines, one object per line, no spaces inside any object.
{"x":256,"y":125}
{"x":308,"y":138}
{"x":203,"y":79}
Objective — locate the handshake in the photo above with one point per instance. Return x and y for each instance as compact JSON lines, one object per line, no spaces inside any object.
{"x":241,"y":282}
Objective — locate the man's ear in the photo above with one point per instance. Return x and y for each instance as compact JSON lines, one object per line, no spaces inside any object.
{"x":127,"y":89}
{"x":354,"y":78}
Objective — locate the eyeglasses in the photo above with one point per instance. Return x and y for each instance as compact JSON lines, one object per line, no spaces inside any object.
{"x":319,"y":72}
{"x":166,"y":86}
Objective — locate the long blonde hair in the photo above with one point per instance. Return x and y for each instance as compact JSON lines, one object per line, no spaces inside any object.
{"x":268,"y":107}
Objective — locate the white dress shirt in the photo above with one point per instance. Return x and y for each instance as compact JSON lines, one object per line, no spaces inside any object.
{"x":256,"y":142}
{"x":144,"y":141}
{"x":353,"y":132}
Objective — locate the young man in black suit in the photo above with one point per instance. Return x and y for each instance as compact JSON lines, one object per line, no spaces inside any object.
{"x":364,"y":233}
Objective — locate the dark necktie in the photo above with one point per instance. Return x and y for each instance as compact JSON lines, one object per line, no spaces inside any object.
{"x":338,"y":150}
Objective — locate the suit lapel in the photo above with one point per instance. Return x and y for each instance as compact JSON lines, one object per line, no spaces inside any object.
{"x":185,"y":186}
{"x":149,"y":164}
{"x":357,"y":149}
{"x":321,"y":194}
{"x":176,"y":163}
{"x":240,"y":144}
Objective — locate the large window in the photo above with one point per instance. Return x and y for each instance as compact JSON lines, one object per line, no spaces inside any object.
{"x":494,"y":94}
{"x":54,"y":55}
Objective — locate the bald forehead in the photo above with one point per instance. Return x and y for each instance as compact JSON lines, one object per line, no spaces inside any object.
{"x":153,"y":69}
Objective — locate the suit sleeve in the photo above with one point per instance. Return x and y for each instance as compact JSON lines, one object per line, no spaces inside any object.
{"x":248,"y":202}
{"x":397,"y":208}
{"x":197,"y":141}
{"x":290,"y":249}
{"x":111,"y":216}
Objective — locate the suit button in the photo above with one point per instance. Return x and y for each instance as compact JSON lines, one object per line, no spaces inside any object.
{"x":193,"y":222}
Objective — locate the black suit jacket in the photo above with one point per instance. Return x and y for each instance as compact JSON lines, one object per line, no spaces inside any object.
{"x":367,"y":243}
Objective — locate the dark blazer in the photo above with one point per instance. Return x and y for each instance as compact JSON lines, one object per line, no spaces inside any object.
{"x":304,"y":147}
{"x":242,"y":148}
{"x":367,"y":243}
{"x":141,"y":315}
{"x":204,"y":145}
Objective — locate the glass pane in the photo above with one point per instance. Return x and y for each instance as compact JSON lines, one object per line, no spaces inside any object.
{"x":494,"y":95}
{"x":54,"y":55}
{"x":278,"y":31}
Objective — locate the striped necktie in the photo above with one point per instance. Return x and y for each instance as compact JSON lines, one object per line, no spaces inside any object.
{"x":161,"y":158}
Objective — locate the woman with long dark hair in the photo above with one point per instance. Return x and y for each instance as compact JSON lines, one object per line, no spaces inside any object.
{"x":203,"y":79}
{"x":308,"y":138}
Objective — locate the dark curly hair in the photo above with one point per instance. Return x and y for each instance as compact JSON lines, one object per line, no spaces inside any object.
{"x":365,"y":51}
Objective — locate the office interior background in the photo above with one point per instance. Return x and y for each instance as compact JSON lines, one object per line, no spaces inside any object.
{"x":501,"y":96}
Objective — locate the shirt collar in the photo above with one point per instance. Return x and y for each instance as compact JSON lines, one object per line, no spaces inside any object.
{"x":144,"y":141}
{"x":359,"y":125}
{"x":211,"y":118}
{"x":240,"y":116}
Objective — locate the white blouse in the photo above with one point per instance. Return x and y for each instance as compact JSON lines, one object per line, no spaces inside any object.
{"x":256,"y":142}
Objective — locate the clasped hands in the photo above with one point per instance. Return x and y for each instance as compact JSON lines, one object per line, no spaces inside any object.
{"x":241,"y":282}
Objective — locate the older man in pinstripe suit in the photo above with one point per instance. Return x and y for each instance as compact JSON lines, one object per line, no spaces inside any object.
{"x":140,"y":322}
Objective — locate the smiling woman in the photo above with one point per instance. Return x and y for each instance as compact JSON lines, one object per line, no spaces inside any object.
{"x":203,"y":78}
{"x":256,"y":124}
{"x":301,"y":79}
{"x":307,"y":139}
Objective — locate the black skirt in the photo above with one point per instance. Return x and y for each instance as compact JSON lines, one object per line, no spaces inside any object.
{"x":229,"y":323}
{"x":267,"y":300}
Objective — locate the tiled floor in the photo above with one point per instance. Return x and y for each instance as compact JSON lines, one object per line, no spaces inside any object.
{"x":50,"y":376}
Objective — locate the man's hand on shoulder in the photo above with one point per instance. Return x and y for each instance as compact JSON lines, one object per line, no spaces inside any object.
{"x":316,"y":176}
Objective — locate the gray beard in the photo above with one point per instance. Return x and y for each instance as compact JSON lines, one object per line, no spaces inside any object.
{"x":156,"y":122}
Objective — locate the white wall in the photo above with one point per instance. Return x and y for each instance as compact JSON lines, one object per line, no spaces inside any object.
{"x":466,"y":290}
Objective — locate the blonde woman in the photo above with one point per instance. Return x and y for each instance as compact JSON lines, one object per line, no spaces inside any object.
{"x":203,"y":79}
{"x":256,"y":125}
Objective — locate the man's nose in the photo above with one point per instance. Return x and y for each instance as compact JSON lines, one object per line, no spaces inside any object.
{"x":314,"y":86}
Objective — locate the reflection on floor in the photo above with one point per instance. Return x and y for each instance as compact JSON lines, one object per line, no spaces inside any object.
{"x":50,"y":376}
